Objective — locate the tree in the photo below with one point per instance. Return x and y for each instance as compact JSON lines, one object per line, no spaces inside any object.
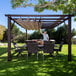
{"x":66,"y":6}
{"x":5,"y":36}
{"x":61,"y":34}
{"x":2,"y":30}
{"x":35,"y":35}
{"x":16,"y":35}
{"x":15,"y":31}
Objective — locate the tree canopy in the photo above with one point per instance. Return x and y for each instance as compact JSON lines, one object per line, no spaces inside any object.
{"x":66,"y":6}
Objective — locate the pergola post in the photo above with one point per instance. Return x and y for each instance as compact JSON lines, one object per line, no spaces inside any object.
{"x":26,"y":35}
{"x":9,"y":39}
{"x":69,"y":39}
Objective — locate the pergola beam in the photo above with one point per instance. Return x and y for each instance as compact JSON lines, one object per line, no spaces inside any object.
{"x":57,"y":23}
{"x":26,"y":35}
{"x":40,"y":19}
{"x":36,"y":15}
{"x":46,"y":20}
{"x":16,"y":22}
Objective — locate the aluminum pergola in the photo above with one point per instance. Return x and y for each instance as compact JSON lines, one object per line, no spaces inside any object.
{"x":48,"y":21}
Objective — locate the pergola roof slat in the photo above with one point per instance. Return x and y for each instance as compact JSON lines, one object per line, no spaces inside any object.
{"x":29,"y":25}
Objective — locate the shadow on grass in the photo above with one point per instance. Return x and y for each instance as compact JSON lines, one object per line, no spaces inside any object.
{"x":51,"y":66}
{"x":3,"y":50}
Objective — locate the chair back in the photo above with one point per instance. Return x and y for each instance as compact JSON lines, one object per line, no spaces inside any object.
{"x":32,"y":46}
{"x":16,"y":47}
{"x":48,"y":47}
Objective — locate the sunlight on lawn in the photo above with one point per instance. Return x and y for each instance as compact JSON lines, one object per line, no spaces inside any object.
{"x":51,"y":66}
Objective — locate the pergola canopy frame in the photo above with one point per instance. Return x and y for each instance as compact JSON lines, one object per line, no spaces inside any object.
{"x":55,"y":19}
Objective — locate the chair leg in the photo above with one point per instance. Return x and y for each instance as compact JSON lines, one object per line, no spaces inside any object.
{"x":18,"y":53}
{"x":27,"y":56}
{"x":43,"y":56}
{"x":56,"y":52}
{"x":37,"y":56}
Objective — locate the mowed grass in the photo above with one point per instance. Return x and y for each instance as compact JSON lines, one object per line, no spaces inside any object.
{"x":51,"y":66}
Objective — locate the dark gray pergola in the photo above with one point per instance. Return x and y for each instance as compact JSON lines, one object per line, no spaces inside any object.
{"x":48,"y":21}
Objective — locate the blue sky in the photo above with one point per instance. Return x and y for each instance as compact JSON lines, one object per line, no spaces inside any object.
{"x":5,"y":8}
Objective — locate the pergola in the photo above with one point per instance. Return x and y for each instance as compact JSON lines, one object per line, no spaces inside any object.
{"x":36,"y":22}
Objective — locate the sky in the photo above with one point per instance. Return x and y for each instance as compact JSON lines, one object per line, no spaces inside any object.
{"x":6,"y":8}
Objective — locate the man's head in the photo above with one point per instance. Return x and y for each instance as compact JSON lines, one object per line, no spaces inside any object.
{"x":45,"y":32}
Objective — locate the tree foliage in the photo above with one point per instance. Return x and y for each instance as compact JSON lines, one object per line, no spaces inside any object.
{"x":17,"y":35}
{"x":15,"y":31}
{"x":61,"y":34}
{"x":66,"y":6}
{"x":21,"y":38}
{"x":2,"y":30}
{"x":35,"y":35}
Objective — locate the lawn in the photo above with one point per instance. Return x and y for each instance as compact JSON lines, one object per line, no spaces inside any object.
{"x":51,"y":66}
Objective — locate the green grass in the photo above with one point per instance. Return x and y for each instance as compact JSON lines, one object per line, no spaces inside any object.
{"x":52,"y":66}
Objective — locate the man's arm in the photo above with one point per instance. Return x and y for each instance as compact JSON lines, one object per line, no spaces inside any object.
{"x":41,"y":31}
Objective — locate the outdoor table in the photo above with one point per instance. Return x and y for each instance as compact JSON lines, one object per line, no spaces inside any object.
{"x":40,"y":46}
{"x":40,"y":43}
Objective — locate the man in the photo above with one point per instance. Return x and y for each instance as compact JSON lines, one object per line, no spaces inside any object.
{"x":45,"y":36}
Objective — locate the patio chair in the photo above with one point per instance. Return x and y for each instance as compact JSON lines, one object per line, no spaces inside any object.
{"x":48,"y":48}
{"x":32,"y":47}
{"x":19,"y":49}
{"x":58,"y":48}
